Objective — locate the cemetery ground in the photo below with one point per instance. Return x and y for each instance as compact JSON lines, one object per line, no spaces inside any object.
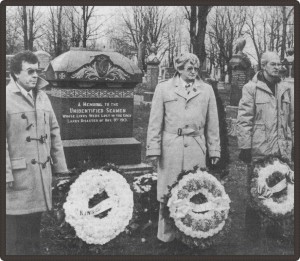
{"x":58,"y":238}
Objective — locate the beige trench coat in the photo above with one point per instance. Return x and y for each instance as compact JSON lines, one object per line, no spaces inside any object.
{"x":266,"y":123}
{"x":181,"y":129}
{"x":29,"y":161}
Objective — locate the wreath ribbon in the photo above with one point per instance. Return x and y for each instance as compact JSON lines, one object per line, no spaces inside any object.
{"x":281,"y":185}
{"x":183,"y":206}
{"x":99,"y":208}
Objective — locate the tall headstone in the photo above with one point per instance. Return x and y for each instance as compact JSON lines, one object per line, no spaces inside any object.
{"x":92,"y":96}
{"x":152,"y":68}
{"x":44,"y":59}
{"x":240,"y":64}
{"x":152,"y":73}
{"x":141,"y":54}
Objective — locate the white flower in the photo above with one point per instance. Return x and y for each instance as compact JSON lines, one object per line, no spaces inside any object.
{"x":180,"y":205}
{"x":141,"y":183}
{"x":276,"y":207}
{"x":89,"y":228}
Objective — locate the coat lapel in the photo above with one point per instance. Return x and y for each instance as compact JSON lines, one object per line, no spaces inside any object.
{"x":195,"y":90}
{"x":180,"y":89}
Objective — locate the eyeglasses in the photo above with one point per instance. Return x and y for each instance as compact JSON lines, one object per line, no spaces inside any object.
{"x":275,"y":64}
{"x":190,"y":69}
{"x":32,"y":71}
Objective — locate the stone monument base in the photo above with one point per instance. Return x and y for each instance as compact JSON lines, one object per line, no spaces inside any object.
{"x":136,"y":169}
{"x":119,"y":151}
{"x":148,"y":96}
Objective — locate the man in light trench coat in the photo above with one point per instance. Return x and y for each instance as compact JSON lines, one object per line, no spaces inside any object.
{"x":33,"y":150}
{"x":265,"y":123}
{"x":183,"y":125}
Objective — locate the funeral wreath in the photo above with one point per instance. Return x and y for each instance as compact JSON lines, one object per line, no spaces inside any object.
{"x":105,"y":220}
{"x":199,"y":207}
{"x":272,"y":191}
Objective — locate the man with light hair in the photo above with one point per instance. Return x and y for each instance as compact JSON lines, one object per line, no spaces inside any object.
{"x":183,"y":127}
{"x":265,"y":122}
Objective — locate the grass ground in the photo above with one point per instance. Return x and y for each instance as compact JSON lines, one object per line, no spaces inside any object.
{"x":140,"y":239}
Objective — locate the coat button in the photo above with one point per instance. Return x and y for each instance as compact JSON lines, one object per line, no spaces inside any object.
{"x":186,"y":145}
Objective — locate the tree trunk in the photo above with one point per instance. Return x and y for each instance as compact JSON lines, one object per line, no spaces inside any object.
{"x":31,"y":33}
{"x":200,"y":39}
{"x":284,"y":25}
{"x":58,"y":50}
{"x":24,"y":18}
{"x":85,"y":22}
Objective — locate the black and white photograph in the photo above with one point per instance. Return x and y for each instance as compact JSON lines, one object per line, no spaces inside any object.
{"x":142,"y":130}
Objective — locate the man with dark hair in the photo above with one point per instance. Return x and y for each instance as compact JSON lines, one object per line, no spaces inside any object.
{"x":33,"y":150}
{"x":265,"y":122}
{"x":183,"y":127}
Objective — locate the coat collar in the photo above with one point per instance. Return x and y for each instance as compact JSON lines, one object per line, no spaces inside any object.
{"x":180,"y":89}
{"x":281,"y":87}
{"x":41,"y":83}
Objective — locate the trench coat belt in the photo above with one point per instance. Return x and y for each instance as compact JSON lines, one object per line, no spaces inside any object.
{"x":189,"y":130}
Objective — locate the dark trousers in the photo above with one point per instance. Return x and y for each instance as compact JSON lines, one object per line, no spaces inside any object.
{"x":23,"y":234}
{"x":252,"y":218}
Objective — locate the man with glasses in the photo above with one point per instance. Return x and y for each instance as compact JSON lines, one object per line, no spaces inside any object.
{"x":183,"y":127}
{"x":33,"y":150}
{"x":265,"y":123}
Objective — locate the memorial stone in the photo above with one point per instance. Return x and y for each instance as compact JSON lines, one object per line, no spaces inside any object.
{"x":152,"y":69}
{"x":44,"y":59}
{"x":169,"y":73}
{"x":240,"y":64}
{"x":92,"y":96}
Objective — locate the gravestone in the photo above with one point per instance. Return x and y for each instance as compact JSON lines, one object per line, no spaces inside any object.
{"x":152,"y":69}
{"x":152,"y":73}
{"x":44,"y":59}
{"x":240,"y":64}
{"x":231,"y":119}
{"x":169,"y":73}
{"x":92,"y":96}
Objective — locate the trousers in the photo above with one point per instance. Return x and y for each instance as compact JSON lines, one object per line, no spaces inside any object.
{"x":23,"y":234}
{"x":165,"y":231}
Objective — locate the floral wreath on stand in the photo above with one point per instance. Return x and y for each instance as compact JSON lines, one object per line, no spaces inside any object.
{"x":199,"y":207}
{"x":100,"y":223}
{"x":272,"y":192}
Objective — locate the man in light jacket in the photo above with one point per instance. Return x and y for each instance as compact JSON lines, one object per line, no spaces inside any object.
{"x":33,"y":150}
{"x":265,"y":122}
{"x":183,"y":127}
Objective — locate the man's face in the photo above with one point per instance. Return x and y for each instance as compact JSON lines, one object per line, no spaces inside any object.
{"x":272,"y":67}
{"x":189,"y":72}
{"x":28,"y":76}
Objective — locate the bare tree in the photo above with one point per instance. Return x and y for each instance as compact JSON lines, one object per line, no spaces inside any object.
{"x":141,"y":27}
{"x":14,"y":41}
{"x":55,"y":29}
{"x":226,"y":25}
{"x":85,"y":25}
{"x":29,"y":20}
{"x":285,"y":18}
{"x":269,"y":29}
{"x":197,"y":16}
